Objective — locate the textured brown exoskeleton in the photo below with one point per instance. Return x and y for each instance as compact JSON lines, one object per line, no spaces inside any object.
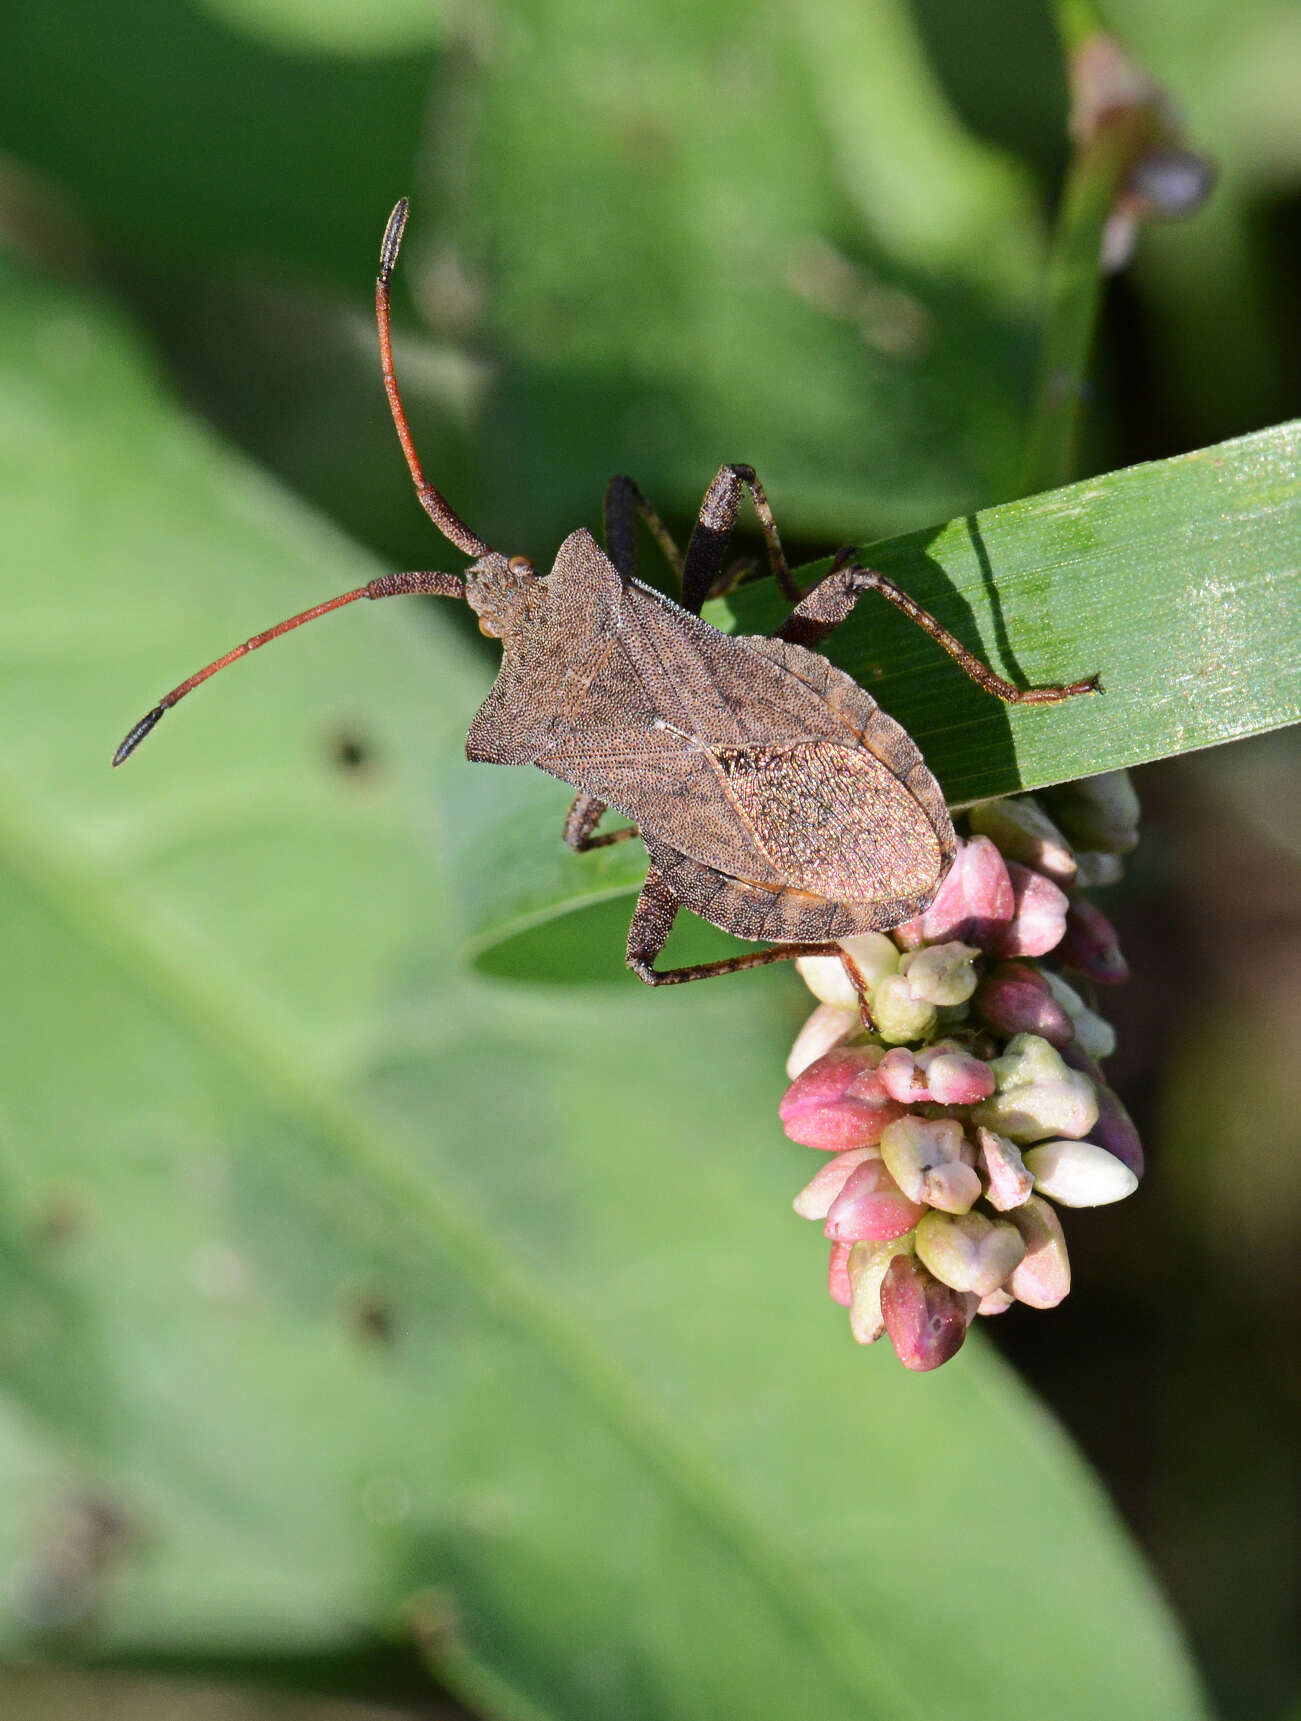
{"x":774,"y":797}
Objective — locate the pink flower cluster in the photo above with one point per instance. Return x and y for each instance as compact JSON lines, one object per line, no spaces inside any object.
{"x":952,"y":1076}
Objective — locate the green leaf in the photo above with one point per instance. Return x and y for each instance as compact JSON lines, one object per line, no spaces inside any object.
{"x":1175,"y":580}
{"x":374,"y":1293}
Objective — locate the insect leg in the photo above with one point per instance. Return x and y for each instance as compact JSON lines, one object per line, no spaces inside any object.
{"x":832,"y":601}
{"x":583,"y":817}
{"x":623,"y":503}
{"x":713,"y":528}
{"x":652,"y":921}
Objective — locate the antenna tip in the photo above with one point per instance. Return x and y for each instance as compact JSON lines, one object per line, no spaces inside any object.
{"x":135,"y":736}
{"x":388,"y":251}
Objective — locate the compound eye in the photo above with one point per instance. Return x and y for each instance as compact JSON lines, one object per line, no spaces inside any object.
{"x":520,"y":565}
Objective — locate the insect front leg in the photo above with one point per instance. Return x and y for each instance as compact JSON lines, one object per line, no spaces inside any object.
{"x":584,"y":815}
{"x":713,"y":528}
{"x":833,"y":599}
{"x":652,"y":921}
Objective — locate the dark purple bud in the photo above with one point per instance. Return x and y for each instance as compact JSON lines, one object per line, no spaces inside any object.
{"x":1090,"y":945}
{"x":1014,"y":998}
{"x":1115,"y":1130}
{"x":926,"y":1321}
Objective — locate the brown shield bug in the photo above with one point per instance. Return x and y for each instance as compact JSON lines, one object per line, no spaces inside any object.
{"x":774,"y":797}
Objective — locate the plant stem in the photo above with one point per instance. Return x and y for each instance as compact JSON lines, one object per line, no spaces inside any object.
{"x":1073,"y":296}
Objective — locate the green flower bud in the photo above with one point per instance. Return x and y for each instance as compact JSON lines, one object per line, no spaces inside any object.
{"x":899,"y":1014}
{"x":967,"y":1251}
{"x":1037,"y":1095}
{"x":941,"y":973}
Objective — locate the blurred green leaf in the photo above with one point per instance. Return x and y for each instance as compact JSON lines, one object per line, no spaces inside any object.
{"x":374,"y":1295}
{"x":1175,"y":580}
{"x":696,"y":233}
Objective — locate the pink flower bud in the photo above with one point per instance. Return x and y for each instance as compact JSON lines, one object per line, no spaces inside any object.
{"x":926,"y":1321}
{"x":1015,"y":998}
{"x":1039,"y":919}
{"x":1115,"y":1130}
{"x":828,"y":1026}
{"x":838,"y":1103}
{"x":1008,"y":1183}
{"x":942,"y":1074}
{"x":814,"y":1200}
{"x":1090,"y":945}
{"x":967,"y":1251}
{"x":871,"y":1208}
{"x":1043,"y":1278}
{"x":954,"y":1077}
{"x":1025,"y":833}
{"x":973,"y":903}
{"x":996,"y":1303}
{"x":839,"y":1288}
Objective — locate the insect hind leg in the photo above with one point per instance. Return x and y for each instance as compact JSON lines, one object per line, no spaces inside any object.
{"x":584,"y":815}
{"x":652,"y":922}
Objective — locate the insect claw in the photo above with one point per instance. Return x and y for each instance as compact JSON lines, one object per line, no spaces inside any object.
{"x":388,"y":251}
{"x":136,"y":735}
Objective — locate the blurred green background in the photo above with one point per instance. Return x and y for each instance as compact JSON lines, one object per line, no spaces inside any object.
{"x":376,"y":1334}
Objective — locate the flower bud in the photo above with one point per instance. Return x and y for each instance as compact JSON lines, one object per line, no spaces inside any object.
{"x":1008,"y":1183}
{"x":1115,"y":1130}
{"x":967,"y":1251}
{"x":1039,"y":919}
{"x":826,"y":978}
{"x":941,"y":973}
{"x":1094,"y":1036}
{"x":1043,"y":1277}
{"x":1169,"y":184}
{"x":839,"y":1288}
{"x":838,"y":1103}
{"x":942,"y":1074}
{"x":1025,"y":833}
{"x":974,"y":901}
{"x":871,"y":1208}
{"x":1037,"y":1095}
{"x":1015,"y":998}
{"x":1097,"y":812}
{"x":924,"y":1156}
{"x":1093,"y":868}
{"x":996,"y":1303}
{"x":868,"y":1265}
{"x":926,"y":1321}
{"x":814,"y":1200}
{"x":1090,"y":945}
{"x":828,"y":1026}
{"x":1078,"y":1174}
{"x":873,"y":954}
{"x":898,"y":1014}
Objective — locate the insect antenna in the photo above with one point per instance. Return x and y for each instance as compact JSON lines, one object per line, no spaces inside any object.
{"x":444,"y":516}
{"x":426,"y":584}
